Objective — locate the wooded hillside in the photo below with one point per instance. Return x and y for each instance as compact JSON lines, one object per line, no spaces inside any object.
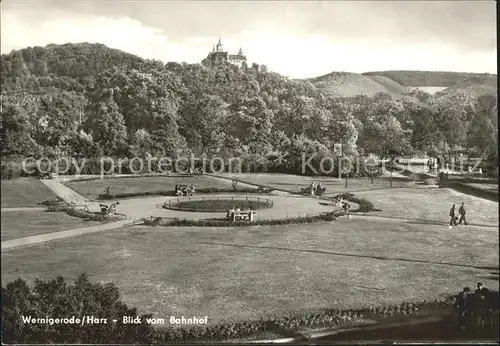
{"x":86,"y":100}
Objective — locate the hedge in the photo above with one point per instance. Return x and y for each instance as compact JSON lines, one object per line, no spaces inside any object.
{"x":459,"y":186}
{"x":77,"y":213}
{"x":58,"y":208}
{"x":158,"y":221}
{"x":86,"y":215}
{"x":365,"y":206}
{"x":292,"y":323}
{"x":53,"y":202}
{"x":171,"y":193}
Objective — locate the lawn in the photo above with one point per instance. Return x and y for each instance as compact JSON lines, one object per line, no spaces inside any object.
{"x":431,"y":204}
{"x":93,"y":188}
{"x":24,"y":192}
{"x":251,"y":272}
{"x":294,"y":183}
{"x":18,"y":224}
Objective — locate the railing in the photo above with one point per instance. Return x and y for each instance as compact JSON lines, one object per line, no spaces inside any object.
{"x":174,"y":203}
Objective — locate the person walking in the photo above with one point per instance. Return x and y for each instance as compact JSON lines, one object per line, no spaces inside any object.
{"x":319,"y":190}
{"x":313,"y":189}
{"x":461,"y":211}
{"x":462,"y":307}
{"x":453,"y":220}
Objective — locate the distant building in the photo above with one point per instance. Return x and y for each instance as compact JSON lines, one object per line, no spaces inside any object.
{"x":218,"y":56}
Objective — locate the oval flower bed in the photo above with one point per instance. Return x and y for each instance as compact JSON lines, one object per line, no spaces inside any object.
{"x":218,"y":205}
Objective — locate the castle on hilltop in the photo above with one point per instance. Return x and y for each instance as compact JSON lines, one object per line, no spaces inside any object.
{"x":218,"y":56}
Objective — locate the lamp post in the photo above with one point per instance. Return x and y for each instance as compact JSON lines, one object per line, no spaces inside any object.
{"x":392,"y":156}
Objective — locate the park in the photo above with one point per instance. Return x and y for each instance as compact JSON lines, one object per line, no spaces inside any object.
{"x":172,"y":252}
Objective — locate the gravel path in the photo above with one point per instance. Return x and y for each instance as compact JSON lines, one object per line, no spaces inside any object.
{"x":69,"y":195}
{"x":6,"y":210}
{"x":41,"y":238}
{"x":286,"y":205}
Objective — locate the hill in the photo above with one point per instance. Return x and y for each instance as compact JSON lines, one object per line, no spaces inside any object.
{"x":61,"y":65}
{"x":477,"y":86}
{"x":87,"y":100}
{"x":429,"y":78}
{"x":346,"y":84}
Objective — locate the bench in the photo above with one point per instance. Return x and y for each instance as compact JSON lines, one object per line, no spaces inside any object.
{"x":108,"y":210}
{"x":242,"y":216}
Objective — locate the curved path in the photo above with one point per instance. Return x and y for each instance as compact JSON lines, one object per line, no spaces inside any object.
{"x":138,"y":208}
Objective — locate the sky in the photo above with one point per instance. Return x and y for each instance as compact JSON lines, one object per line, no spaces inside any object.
{"x":299,"y":39}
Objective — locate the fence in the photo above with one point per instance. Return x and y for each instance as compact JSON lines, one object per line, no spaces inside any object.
{"x":175,"y":204}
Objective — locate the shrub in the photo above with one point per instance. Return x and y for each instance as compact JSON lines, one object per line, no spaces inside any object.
{"x":152,"y":221}
{"x":431,"y":181}
{"x":53,"y":202}
{"x":58,"y":208}
{"x":85,"y":215}
{"x":365,"y":206}
{"x":413,"y":177}
{"x":59,"y":299}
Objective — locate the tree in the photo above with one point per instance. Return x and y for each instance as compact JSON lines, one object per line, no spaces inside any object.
{"x":107,"y":125}
{"x":202,"y":124}
{"x":454,"y":114}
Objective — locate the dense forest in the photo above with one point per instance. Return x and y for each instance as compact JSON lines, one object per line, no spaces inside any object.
{"x":87,"y":100}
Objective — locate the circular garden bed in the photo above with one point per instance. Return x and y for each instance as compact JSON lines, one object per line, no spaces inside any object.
{"x":218,"y":205}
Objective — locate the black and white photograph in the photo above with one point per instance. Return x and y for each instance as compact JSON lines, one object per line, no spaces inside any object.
{"x":292,"y":172}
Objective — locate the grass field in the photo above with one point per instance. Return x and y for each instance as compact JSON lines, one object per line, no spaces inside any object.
{"x":18,"y":224}
{"x":333,"y":185}
{"x":93,"y":188}
{"x":24,"y":192}
{"x":431,"y":204}
{"x":250,"y":272}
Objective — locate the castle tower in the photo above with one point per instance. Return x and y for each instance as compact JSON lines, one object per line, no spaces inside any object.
{"x":218,"y":57}
{"x":219,"y":46}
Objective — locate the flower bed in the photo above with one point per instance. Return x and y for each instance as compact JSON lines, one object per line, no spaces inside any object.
{"x":218,"y":205}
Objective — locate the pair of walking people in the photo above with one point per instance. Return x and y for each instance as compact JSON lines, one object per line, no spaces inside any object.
{"x":454,"y":217}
